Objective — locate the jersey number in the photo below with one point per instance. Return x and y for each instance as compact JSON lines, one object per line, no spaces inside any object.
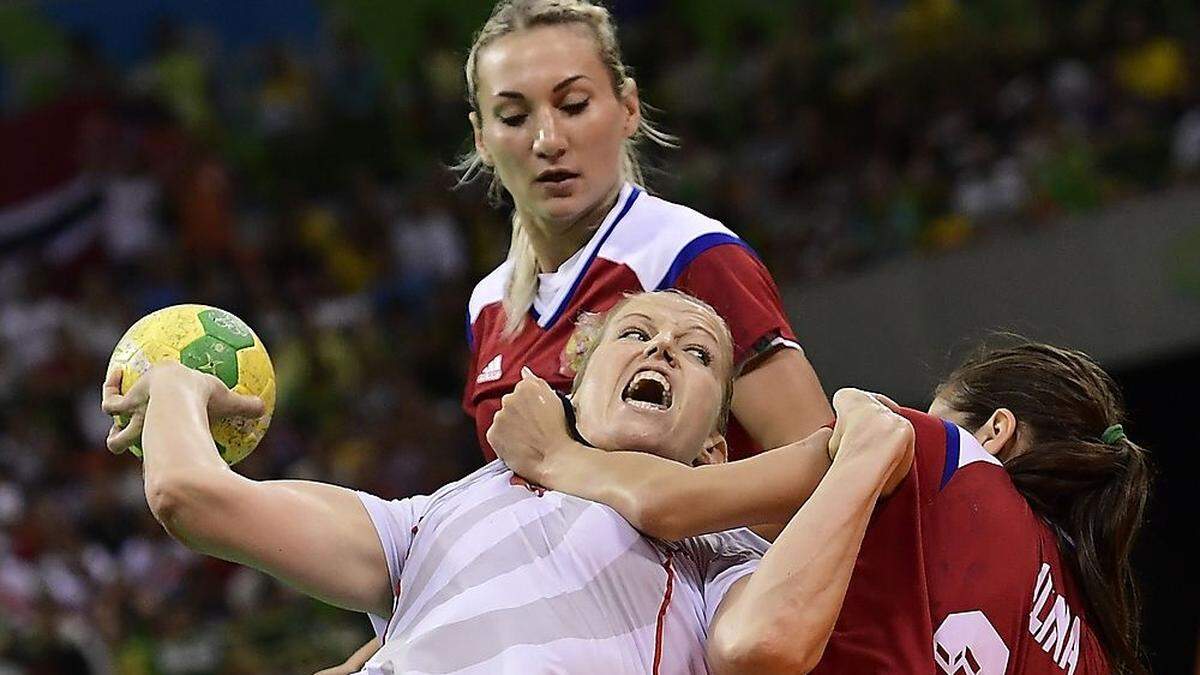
{"x":967,"y":644}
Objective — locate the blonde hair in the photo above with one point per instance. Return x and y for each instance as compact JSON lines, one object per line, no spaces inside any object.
{"x":510,"y":16}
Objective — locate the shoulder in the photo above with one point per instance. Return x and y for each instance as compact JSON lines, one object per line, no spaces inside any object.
{"x":968,"y":500}
{"x":658,"y":238}
{"x":944,"y":450}
{"x":488,"y":291}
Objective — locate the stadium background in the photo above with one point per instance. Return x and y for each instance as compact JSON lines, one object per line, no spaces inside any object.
{"x":913,"y":173}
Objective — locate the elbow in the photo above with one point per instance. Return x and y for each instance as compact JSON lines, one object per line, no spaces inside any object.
{"x":653,"y":514}
{"x":760,"y":650}
{"x":182,"y":503}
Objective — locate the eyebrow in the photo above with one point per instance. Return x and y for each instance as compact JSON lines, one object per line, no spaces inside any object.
{"x":698,"y":327}
{"x":558,"y":87}
{"x":639,"y":315}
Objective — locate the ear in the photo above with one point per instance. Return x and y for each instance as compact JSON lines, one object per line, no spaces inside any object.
{"x":999,"y":434}
{"x":716,"y":451}
{"x":633,"y":107}
{"x":477,"y":133}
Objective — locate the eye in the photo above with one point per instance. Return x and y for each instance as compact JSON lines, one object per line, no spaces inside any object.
{"x":513,"y":120}
{"x":700,"y":353}
{"x":635,"y":333}
{"x":576,"y":108}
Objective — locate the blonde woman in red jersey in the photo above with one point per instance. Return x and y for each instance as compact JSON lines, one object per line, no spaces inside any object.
{"x":556,"y":119}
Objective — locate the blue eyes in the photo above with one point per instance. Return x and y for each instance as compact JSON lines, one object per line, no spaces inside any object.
{"x":700,"y":353}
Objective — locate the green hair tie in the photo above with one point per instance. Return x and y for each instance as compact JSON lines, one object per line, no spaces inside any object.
{"x":1113,"y":434}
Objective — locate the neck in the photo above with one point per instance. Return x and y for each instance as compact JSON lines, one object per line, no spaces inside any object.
{"x":555,"y":242}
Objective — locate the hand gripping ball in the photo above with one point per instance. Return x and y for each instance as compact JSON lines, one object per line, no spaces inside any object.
{"x":212,"y":341}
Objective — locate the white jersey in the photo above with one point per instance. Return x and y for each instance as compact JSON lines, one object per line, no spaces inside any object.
{"x":491,"y":577}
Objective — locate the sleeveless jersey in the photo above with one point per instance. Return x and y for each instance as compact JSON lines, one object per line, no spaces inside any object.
{"x":958,"y":576}
{"x":643,"y":244}
{"x":491,"y":577}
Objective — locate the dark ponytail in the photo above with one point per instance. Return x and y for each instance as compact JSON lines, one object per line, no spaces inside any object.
{"x":1079,"y":471}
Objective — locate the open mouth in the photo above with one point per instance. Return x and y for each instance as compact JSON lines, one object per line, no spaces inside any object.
{"x":648,"y":390}
{"x":556,"y":176}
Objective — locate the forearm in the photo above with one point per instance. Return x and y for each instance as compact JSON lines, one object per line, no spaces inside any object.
{"x":669,"y":500}
{"x":783,"y":618}
{"x":179,"y":458}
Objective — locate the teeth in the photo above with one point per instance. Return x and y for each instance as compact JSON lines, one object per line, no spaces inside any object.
{"x":644,"y":405}
{"x":659,"y":391}
{"x":654,"y":376}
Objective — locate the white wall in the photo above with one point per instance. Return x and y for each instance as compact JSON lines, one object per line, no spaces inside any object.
{"x":1122,"y":285}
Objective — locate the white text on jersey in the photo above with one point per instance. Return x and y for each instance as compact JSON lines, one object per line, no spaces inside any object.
{"x":1052,"y":623}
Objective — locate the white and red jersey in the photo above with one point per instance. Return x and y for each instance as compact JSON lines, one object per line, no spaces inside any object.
{"x":643,"y":244}
{"x":493,"y":576}
{"x":956,"y":561}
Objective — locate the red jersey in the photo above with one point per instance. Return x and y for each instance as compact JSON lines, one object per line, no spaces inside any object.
{"x":956,"y":566}
{"x":643,"y":244}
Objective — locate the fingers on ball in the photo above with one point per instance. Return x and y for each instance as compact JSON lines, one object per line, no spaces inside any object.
{"x":120,"y":439}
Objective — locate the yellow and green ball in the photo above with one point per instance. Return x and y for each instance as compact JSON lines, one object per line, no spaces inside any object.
{"x":212,"y":341}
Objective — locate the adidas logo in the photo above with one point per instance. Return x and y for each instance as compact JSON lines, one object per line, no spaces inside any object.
{"x":490,"y":372}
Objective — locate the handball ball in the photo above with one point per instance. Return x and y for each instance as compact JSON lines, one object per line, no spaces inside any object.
{"x":212,"y":341}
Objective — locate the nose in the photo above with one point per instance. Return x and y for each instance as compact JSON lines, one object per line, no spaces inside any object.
{"x":661,"y":346}
{"x":548,"y":143}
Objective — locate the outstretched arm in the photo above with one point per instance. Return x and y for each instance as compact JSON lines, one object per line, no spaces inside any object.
{"x":780,"y":618}
{"x":662,"y":498}
{"x":313,"y":536}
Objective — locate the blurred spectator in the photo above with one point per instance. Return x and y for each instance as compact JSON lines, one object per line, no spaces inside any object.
{"x":131,"y":202}
{"x":205,"y":209}
{"x":1153,"y":69}
{"x":179,"y":77}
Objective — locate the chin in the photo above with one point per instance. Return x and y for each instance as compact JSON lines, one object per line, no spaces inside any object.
{"x":563,"y":209}
{"x":572,"y":205}
{"x":653,"y":439}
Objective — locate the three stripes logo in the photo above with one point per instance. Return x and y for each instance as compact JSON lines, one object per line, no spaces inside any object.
{"x":492,"y":371}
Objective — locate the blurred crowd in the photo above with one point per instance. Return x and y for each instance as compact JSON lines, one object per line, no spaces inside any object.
{"x":304,"y":187}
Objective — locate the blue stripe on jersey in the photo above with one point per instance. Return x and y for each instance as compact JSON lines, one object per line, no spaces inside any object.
{"x":952,"y":443}
{"x":633,"y":195}
{"x":694,"y":248}
{"x":470,"y":332}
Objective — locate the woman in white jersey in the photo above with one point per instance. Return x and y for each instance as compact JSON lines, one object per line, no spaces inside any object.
{"x":486,"y":575}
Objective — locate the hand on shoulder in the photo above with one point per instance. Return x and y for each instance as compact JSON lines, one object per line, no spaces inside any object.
{"x":869,"y":428}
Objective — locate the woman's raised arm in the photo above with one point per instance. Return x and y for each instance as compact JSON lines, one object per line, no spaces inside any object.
{"x":313,"y":536}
